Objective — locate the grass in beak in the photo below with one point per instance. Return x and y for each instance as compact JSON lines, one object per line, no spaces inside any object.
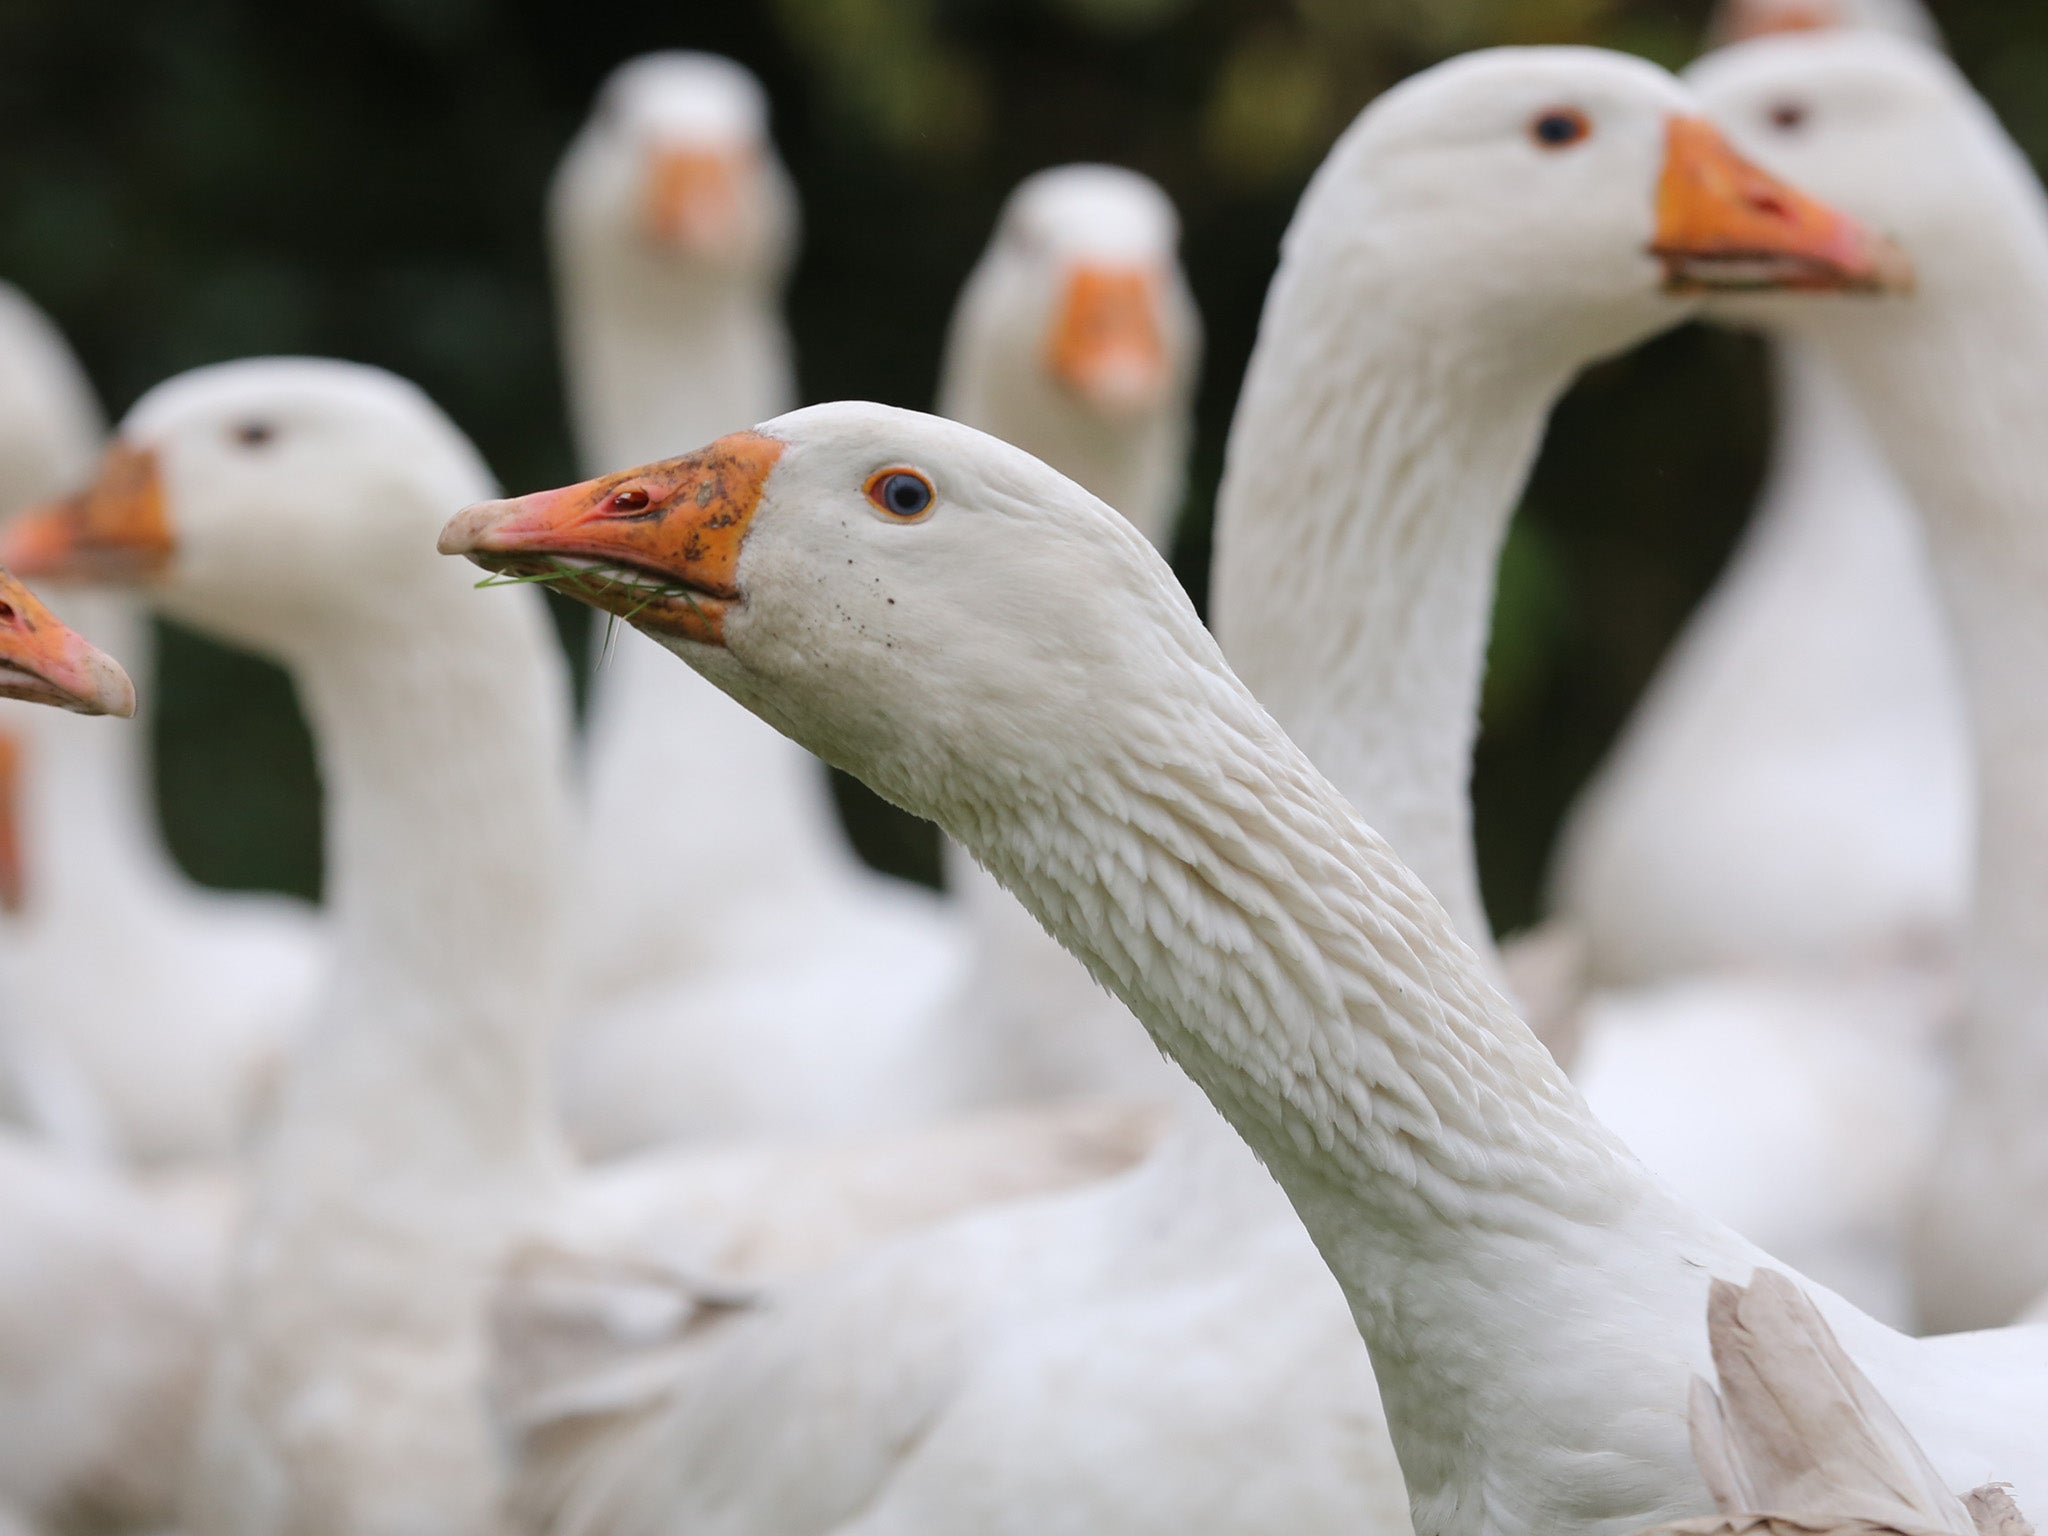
{"x":589,"y":586}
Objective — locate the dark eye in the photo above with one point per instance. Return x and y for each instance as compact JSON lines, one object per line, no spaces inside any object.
{"x":1788,"y":115}
{"x":254,"y":434}
{"x":1559,"y":127}
{"x":631,"y":499}
{"x":902,"y":493}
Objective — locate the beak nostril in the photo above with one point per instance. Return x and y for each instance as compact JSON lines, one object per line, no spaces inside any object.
{"x":630,"y":501}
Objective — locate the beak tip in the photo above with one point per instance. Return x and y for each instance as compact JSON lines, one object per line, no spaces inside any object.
{"x":466,"y":530}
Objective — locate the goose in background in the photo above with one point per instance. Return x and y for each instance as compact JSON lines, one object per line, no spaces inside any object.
{"x":1793,"y":789}
{"x":105,"y":1298}
{"x":1953,"y":382}
{"x":970,"y":1377}
{"x":159,"y":1058}
{"x":1532,"y":1298}
{"x":1075,"y":338}
{"x":414,"y":1136}
{"x":794,"y":992}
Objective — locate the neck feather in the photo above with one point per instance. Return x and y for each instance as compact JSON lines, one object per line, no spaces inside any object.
{"x":1371,"y":474}
{"x":441,"y":723}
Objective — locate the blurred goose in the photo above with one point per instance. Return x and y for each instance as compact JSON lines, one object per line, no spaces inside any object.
{"x":1076,"y":339}
{"x":1793,"y":789}
{"x":1952,"y":382}
{"x":414,"y":1137}
{"x":969,"y":1378}
{"x":105,"y":1299}
{"x":1532,"y":1298}
{"x":170,"y":1045}
{"x":795,"y":992}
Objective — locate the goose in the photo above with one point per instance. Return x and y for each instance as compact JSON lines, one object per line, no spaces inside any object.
{"x":673,"y":226}
{"x":987,"y":1363}
{"x":218,"y":977}
{"x":1077,"y":339}
{"x":1532,"y":1298}
{"x":1792,"y":791}
{"x":1948,"y":383}
{"x":104,"y":1297}
{"x":289,"y":506}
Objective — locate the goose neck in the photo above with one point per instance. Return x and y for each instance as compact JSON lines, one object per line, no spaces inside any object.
{"x":442,"y":729}
{"x":1370,"y":477}
{"x":661,"y":360}
{"x":1954,"y":384}
{"x":91,"y":848}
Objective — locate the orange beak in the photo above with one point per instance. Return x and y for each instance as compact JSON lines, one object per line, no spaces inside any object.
{"x":659,"y":546}
{"x":691,"y":198}
{"x":1724,"y":224}
{"x":44,"y":661}
{"x":13,"y":876}
{"x":1107,"y":344}
{"x":115,"y":530}
{"x":1744,"y":19}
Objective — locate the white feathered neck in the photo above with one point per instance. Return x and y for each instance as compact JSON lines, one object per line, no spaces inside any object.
{"x":1373,"y":465}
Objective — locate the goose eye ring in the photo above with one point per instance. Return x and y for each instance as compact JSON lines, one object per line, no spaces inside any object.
{"x":1787,"y":116}
{"x":1559,"y":128}
{"x":254,"y":433}
{"x":905,"y":494}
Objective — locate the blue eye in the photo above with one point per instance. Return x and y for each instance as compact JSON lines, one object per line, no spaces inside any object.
{"x":902,"y":493}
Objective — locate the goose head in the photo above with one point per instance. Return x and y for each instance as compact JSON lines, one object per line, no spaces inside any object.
{"x":45,"y":662}
{"x":1737,"y":21}
{"x":274,"y":501}
{"x":1557,"y":203}
{"x":1079,"y":306}
{"x":675,"y":172}
{"x":1889,"y":130}
{"x":849,"y":555}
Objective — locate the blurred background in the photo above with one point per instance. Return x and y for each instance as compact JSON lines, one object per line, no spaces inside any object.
{"x":186,"y":181}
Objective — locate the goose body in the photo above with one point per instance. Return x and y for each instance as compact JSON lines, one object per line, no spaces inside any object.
{"x":221,"y":978}
{"x":1947,"y":380}
{"x":1225,"y":919}
{"x":673,"y":227}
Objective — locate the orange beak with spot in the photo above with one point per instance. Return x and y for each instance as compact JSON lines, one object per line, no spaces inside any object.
{"x":1724,"y":225}
{"x":1107,"y":344}
{"x":659,"y":545}
{"x":115,"y":530}
{"x":691,"y":198}
{"x":45,"y":661}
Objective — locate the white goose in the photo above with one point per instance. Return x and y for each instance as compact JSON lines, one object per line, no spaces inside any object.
{"x":414,"y":1137}
{"x":988,"y":1363}
{"x":1075,"y":338}
{"x":1793,"y":789}
{"x":796,"y":991}
{"x":172,"y":1043}
{"x":105,"y":1300}
{"x":1531,"y":1297}
{"x":1952,"y":382}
